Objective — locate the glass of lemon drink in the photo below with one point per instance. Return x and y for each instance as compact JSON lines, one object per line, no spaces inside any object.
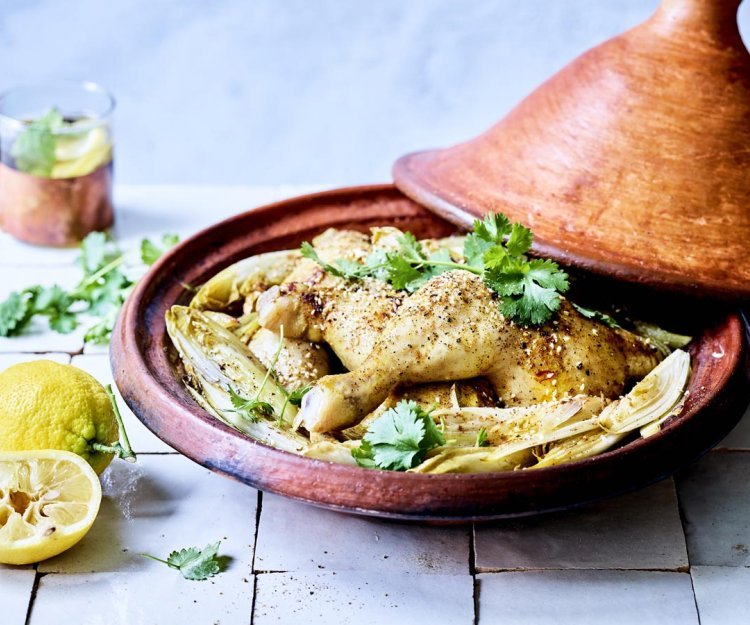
{"x":56,"y":162}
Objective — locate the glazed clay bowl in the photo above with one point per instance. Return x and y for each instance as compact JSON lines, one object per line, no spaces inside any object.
{"x":148,"y":374}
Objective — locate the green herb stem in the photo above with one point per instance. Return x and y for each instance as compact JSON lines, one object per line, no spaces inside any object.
{"x":122,"y":448}
{"x":439,"y":263}
{"x":272,"y":366}
{"x":92,"y":279}
{"x":150,"y":557}
{"x":249,"y":408}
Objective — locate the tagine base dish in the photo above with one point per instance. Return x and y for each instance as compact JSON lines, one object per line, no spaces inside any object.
{"x":148,"y":374}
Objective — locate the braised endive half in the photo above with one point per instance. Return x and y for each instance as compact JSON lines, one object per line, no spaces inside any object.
{"x":244,"y":278}
{"x":230,"y":382}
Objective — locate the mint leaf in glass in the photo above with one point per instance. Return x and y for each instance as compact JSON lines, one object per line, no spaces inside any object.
{"x":34,"y":150}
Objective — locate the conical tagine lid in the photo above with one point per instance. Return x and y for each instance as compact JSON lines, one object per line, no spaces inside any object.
{"x":633,"y":161}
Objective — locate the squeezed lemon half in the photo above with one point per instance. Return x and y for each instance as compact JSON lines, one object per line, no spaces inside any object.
{"x":48,"y":502}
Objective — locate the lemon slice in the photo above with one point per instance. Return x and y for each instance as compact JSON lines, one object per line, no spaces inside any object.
{"x":91,"y":160}
{"x":70,"y":147}
{"x":48,"y":502}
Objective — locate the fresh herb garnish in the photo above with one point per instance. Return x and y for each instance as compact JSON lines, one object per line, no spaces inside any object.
{"x":21,"y":306}
{"x":34,"y":149}
{"x":529,"y":289}
{"x":342,"y":269}
{"x":481,"y":438}
{"x":253,"y":409}
{"x":399,"y":439}
{"x":496,"y":250}
{"x":14,"y":313}
{"x":294,"y":398}
{"x":194,"y":564}
{"x":250,"y":409}
{"x":100,"y":293}
{"x":151,"y":252}
{"x":597,"y":315}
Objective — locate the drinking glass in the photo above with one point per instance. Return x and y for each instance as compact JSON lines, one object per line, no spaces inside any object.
{"x":56,"y":148}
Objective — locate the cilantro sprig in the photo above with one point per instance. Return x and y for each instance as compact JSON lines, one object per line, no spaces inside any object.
{"x":294,"y":398}
{"x":496,"y":250}
{"x":251,"y":409}
{"x":406,"y":269}
{"x":399,"y":439}
{"x":151,"y":252}
{"x":99,"y":294}
{"x":195,"y":564}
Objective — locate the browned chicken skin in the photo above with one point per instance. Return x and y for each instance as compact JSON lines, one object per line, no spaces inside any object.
{"x":316,"y":306}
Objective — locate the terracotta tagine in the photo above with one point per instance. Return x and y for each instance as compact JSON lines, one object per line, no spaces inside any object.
{"x":633,"y":161}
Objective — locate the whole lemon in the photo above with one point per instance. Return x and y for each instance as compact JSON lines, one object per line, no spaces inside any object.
{"x":46,"y":405}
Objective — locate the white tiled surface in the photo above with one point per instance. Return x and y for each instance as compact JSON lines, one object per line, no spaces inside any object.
{"x":620,"y":561}
{"x":353,"y":598}
{"x":715,"y":499}
{"x":295,"y":537}
{"x":641,"y":530}
{"x":142,"y":598}
{"x":158,"y":504}
{"x":16,"y":585}
{"x":723,"y":594}
{"x":10,"y":359}
{"x":586,"y":598}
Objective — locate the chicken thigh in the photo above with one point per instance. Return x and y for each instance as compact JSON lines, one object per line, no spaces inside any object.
{"x":451,"y":329}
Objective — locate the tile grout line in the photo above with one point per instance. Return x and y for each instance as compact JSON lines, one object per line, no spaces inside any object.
{"x":259,"y":509}
{"x":32,"y":597}
{"x":683,"y":523}
{"x":695,"y":597}
{"x":473,"y":572}
{"x":255,"y":595}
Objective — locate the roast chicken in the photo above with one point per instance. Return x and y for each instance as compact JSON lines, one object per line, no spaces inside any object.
{"x":450,"y":329}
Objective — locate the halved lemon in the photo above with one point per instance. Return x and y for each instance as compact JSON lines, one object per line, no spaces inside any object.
{"x":48,"y":502}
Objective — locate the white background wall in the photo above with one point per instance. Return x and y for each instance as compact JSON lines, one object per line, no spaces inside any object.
{"x":300,"y":91}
